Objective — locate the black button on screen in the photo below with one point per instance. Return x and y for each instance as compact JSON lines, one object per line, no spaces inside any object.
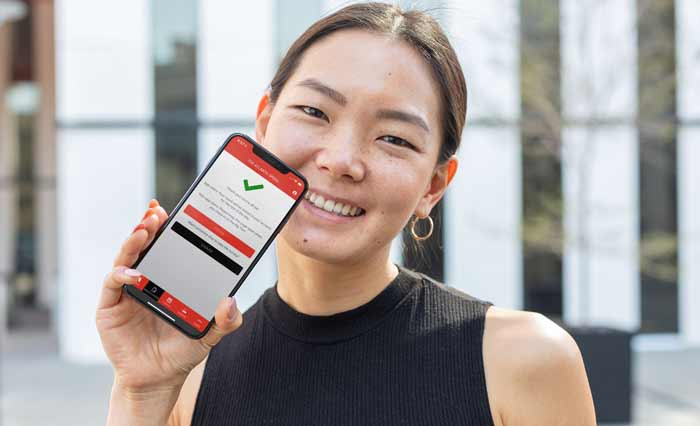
{"x":207,"y":248}
{"x":153,"y":290}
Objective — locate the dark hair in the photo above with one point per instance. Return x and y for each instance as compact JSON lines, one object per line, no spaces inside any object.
{"x":417,"y":28}
{"x":422,"y":32}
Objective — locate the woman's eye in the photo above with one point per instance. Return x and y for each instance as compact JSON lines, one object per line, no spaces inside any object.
{"x":396,"y":141}
{"x":314,"y":112}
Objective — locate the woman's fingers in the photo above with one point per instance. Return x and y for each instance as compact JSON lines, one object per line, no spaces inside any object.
{"x":161,"y":216}
{"x":142,"y":235}
{"x":112,"y":286}
{"x":227,"y":319}
{"x":151,"y":225}
{"x":134,"y":244}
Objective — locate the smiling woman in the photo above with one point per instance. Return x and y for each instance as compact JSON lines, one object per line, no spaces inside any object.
{"x":366,"y":128}
{"x":369,"y":105}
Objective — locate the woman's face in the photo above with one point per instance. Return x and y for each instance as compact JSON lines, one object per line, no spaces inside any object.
{"x":360,"y":119}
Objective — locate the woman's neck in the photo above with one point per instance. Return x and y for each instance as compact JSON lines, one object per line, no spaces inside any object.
{"x":317,"y":288}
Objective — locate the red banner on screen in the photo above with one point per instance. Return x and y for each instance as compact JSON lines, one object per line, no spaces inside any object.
{"x":219,"y":231}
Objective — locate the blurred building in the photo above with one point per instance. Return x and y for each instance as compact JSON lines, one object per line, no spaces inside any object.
{"x":566,"y":202}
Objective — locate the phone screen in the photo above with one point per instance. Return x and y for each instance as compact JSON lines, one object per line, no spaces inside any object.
{"x":218,"y":232}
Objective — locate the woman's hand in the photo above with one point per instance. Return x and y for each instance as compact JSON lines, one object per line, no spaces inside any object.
{"x":150,"y":356}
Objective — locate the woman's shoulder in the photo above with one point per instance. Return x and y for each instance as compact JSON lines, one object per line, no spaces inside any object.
{"x":534,"y":369}
{"x":537,"y":339}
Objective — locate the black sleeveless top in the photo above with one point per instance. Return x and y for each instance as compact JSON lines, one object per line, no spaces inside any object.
{"x":410,"y":356}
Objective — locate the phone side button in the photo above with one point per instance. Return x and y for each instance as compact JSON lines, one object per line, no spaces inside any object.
{"x":161,"y":311}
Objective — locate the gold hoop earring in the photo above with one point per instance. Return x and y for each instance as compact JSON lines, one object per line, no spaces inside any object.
{"x":413,"y":229}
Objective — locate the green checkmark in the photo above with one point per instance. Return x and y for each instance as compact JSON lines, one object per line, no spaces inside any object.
{"x":251,"y":187}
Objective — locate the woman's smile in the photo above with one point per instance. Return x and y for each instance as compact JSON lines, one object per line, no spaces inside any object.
{"x":332,"y":204}
{"x":331,"y":210}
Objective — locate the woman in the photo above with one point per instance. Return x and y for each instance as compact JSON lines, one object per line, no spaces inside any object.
{"x":369,"y":105}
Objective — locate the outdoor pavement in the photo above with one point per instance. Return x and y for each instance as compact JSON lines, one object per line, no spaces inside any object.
{"x":38,"y":388}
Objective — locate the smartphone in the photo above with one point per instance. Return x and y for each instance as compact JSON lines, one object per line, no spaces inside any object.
{"x":216,"y":234}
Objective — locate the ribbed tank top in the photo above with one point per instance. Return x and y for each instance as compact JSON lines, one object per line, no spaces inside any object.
{"x":410,"y":356}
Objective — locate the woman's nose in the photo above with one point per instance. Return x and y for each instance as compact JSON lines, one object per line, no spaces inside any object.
{"x":342,"y":155}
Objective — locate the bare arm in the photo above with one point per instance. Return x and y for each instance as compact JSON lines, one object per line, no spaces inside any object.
{"x":181,"y":414}
{"x":138,"y":408}
{"x":537,"y":372}
{"x":173,"y":407}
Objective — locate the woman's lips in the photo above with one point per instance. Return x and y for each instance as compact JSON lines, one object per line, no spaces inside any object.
{"x":327,"y":216}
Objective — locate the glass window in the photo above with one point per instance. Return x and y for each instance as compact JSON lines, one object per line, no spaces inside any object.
{"x":175,"y":83}
{"x":657,"y":166}
{"x":541,"y":157}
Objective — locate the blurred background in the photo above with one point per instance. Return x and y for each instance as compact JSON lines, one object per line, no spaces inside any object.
{"x":576,"y":196}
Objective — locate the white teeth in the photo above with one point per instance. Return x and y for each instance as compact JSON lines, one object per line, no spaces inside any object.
{"x":319,"y":202}
{"x":332,"y":206}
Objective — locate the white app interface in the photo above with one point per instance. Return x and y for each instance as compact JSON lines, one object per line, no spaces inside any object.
{"x":217,"y":233}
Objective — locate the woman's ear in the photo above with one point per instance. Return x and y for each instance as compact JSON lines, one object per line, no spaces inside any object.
{"x":262,"y":118}
{"x":451,"y":168}
{"x":442,"y":176}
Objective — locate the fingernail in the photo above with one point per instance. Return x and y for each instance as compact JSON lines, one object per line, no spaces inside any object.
{"x":148,"y":213}
{"x":232,"y":308}
{"x":132,"y":272}
{"x":139,"y":226}
{"x":153,"y":203}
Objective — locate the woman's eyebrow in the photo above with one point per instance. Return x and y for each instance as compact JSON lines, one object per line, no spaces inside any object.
{"x":388,"y":114}
{"x":392,"y":114}
{"x":316,"y":85}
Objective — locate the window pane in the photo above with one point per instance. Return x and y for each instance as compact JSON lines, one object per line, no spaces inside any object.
{"x":541,"y":139}
{"x":175,"y":74}
{"x":657,"y":134}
